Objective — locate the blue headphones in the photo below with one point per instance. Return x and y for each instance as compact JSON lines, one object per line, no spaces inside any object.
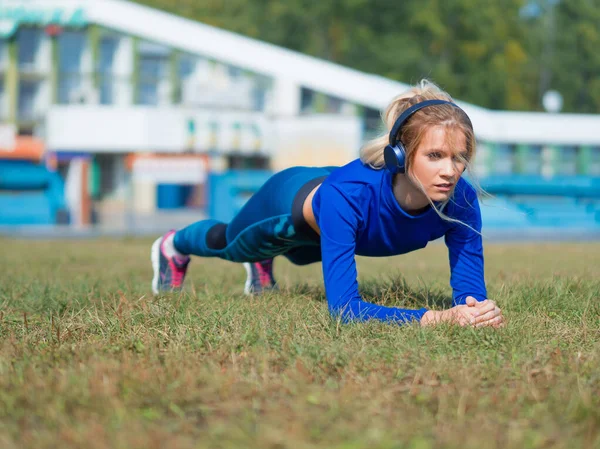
{"x":394,"y":154}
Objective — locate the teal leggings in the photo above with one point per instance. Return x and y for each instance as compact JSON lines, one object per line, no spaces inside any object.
{"x":270,"y":224}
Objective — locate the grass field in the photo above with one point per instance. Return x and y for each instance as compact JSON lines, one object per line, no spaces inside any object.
{"x":88,"y":358}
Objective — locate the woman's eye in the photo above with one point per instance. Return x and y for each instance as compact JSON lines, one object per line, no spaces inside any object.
{"x":434,"y":155}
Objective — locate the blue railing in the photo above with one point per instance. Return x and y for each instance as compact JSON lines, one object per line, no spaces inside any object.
{"x":521,"y":201}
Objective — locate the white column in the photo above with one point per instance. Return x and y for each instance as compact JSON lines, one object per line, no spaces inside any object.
{"x":285,"y":98}
{"x":122,"y":71}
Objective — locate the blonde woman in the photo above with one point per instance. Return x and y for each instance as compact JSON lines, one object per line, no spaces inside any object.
{"x":405,"y":191}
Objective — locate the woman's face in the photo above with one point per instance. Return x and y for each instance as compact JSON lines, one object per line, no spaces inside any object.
{"x":439,"y":161}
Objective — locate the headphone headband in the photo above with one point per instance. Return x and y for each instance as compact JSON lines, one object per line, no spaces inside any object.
{"x":394,"y":138}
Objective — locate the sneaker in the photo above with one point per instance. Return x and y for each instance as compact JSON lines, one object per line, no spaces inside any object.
{"x":260,"y":277}
{"x":169,"y":271}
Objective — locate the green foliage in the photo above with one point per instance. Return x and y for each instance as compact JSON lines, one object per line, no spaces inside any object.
{"x":88,"y":358}
{"x":575,"y":64}
{"x":486,"y":53}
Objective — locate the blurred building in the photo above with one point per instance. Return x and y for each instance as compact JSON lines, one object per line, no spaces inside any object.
{"x":137,"y":108}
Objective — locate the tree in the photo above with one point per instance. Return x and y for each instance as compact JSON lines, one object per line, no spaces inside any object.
{"x":499,"y":54}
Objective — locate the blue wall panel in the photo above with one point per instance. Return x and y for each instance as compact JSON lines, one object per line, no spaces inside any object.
{"x":229,"y":191}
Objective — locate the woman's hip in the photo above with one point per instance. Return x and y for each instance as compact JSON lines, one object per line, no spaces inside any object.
{"x":280,"y":195}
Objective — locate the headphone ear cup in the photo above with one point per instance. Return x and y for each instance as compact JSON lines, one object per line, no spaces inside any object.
{"x":395,"y":158}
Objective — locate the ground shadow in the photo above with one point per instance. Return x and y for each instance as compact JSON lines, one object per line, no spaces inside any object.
{"x":391,"y":292}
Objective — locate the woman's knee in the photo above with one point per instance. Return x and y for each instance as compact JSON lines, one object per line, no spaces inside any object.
{"x":216,"y":237}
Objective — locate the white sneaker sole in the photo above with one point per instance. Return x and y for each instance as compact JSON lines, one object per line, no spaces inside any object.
{"x":155,"y":257}
{"x":248,"y":284}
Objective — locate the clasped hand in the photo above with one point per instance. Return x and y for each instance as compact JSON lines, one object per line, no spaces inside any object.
{"x":472,"y":313}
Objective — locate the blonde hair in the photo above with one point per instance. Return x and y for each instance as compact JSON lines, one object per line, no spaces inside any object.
{"x":412,"y":132}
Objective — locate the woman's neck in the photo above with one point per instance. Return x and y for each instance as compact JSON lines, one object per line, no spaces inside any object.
{"x":411,"y":199}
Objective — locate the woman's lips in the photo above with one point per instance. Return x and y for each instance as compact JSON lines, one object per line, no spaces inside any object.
{"x":446,"y":187}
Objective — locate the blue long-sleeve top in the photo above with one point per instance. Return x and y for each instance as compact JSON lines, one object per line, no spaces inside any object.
{"x":357,"y":214}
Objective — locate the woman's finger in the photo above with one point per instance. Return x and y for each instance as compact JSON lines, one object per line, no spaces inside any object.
{"x":501,"y":323}
{"x":494,"y":322}
{"x":470,"y":301}
{"x":495,"y":312}
{"x":487,"y":307}
{"x":468,"y":316}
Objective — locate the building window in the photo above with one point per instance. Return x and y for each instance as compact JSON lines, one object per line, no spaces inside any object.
{"x":153,"y":85}
{"x":106,"y":59}
{"x":111,"y":175}
{"x":594,"y":162}
{"x":307,"y":100}
{"x":333,"y":105}
{"x":237,"y":161}
{"x":528,"y":159}
{"x":234,"y":73}
{"x":260,"y":93}
{"x":148,"y":93}
{"x":186,"y":69}
{"x":567,"y":163}
{"x":3,"y":114}
{"x":28,"y":93}
{"x":504,"y":159}
{"x":373,"y":124}
{"x":196,"y":81}
{"x":71,"y":48}
{"x":186,"y":66}
{"x":29,"y":41}
{"x":3,"y":55}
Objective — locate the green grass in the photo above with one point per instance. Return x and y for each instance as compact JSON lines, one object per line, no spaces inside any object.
{"x":88,"y":358}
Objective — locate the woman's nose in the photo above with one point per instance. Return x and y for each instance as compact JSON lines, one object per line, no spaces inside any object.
{"x":448,"y":168}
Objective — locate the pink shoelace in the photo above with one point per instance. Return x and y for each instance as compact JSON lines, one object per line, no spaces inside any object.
{"x":178,"y":272}
{"x":264,"y":271}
